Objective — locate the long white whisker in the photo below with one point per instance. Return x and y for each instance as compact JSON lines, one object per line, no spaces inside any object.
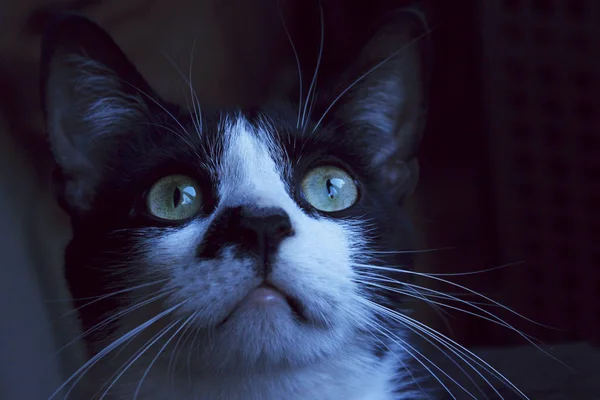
{"x":174,"y":65}
{"x":412,"y":292}
{"x":184,"y":139}
{"x":436,"y":278}
{"x":498,"y":321}
{"x":137,"y":390}
{"x":491,"y":317}
{"x":398,"y":358}
{"x":312,"y":87}
{"x":408,"y":323}
{"x":312,"y":104}
{"x":431,"y":292}
{"x":96,"y":299}
{"x":170,"y":114}
{"x":297,"y":61}
{"x":189,"y":357}
{"x":177,"y":350}
{"x":413,"y":251}
{"x":197,"y":112}
{"x":136,"y":356}
{"x":455,"y":296}
{"x":378,"y":65}
{"x":482,"y":271}
{"x":108,"y":349}
{"x":194,"y":108}
{"x":410,"y":350}
{"x":158,"y":104}
{"x":113,"y":317}
{"x":449,"y":343}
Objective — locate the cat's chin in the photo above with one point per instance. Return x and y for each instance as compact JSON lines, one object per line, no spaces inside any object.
{"x":261,"y":342}
{"x":267,"y":330}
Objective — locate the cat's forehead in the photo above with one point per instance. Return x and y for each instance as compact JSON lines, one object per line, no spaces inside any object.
{"x":248,"y":146}
{"x":251,"y":166}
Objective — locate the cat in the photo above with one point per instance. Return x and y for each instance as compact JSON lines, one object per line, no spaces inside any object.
{"x":237,"y":253}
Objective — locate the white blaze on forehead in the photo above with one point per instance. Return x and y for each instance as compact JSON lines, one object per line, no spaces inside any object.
{"x":249,"y":173}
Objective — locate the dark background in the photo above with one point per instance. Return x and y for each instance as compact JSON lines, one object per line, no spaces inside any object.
{"x":510,"y":171}
{"x":510,"y":160}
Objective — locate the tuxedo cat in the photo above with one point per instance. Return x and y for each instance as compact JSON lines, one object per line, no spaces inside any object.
{"x":239,"y":253}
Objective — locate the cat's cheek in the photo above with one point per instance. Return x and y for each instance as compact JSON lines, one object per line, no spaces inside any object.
{"x":315,"y":265}
{"x":172,"y":247}
{"x":213,"y":286}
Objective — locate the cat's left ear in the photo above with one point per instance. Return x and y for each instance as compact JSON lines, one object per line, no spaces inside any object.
{"x":91,"y":95}
{"x":385,"y":103}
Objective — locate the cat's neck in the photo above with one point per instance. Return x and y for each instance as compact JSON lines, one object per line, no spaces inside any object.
{"x":355,"y":375}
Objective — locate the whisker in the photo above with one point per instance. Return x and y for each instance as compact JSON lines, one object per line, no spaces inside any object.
{"x":176,"y":68}
{"x":180,"y":136}
{"x":492,"y":317}
{"x":197,"y":111}
{"x":410,"y":324}
{"x":482,"y":271}
{"x":436,"y":308}
{"x":189,"y":357}
{"x":96,"y":299}
{"x":436,"y":278}
{"x":452,"y":360}
{"x":398,"y":358}
{"x":170,"y":114}
{"x":410,"y":350}
{"x":434,"y":293}
{"x":312,"y":104}
{"x":443,"y":314}
{"x":137,"y":390}
{"x":194,"y":109}
{"x":297,"y":60}
{"x":177,"y":350}
{"x":136,"y":356}
{"x":100,"y":297}
{"x":413,"y":291}
{"x":374,"y":68}
{"x":105,"y":322}
{"x":92,"y":361}
{"x":413,"y":251}
{"x":157,"y":104}
{"x":442,"y":339}
{"x":312,"y":87}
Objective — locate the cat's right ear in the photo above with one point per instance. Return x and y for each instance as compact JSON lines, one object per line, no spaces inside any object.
{"x":381,"y":100}
{"x":91,"y":94}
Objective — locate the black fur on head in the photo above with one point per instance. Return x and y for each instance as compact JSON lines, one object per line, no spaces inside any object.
{"x":113,"y":137}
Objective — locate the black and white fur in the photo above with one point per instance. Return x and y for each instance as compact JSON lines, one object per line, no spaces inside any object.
{"x":175,"y":285}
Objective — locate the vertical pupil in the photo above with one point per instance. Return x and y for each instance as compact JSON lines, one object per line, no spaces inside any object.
{"x":330,"y":189}
{"x":176,"y":197}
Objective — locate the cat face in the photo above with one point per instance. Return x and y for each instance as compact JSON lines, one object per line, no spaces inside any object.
{"x":244,"y":234}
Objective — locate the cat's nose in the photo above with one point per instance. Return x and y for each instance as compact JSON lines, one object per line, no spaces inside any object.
{"x":265,"y":227}
{"x":256,"y":231}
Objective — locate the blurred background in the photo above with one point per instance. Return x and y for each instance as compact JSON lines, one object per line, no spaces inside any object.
{"x":510,"y":161}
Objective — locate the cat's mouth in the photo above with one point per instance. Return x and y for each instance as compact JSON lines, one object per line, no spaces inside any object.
{"x":269,"y":298}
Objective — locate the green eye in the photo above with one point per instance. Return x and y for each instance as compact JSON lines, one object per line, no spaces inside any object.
{"x":174,"y":197}
{"x":329,"y":189}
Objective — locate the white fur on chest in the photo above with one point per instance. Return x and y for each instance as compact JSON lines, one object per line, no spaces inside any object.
{"x":354,"y":375}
